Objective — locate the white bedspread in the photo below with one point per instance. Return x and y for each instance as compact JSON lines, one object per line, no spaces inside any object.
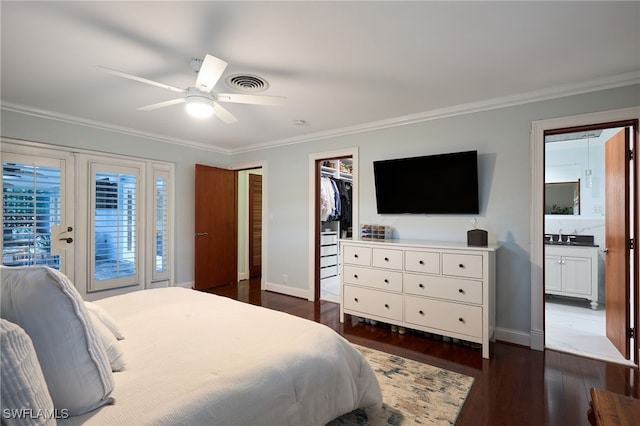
{"x":196,"y":358}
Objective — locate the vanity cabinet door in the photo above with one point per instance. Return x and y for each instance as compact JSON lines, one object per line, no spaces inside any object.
{"x":576,"y":275}
{"x":552,"y":273}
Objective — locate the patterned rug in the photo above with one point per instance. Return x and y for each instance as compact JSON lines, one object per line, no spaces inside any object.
{"x":413,"y":393}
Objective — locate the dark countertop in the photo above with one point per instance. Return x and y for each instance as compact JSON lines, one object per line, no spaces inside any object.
{"x":571,"y":240}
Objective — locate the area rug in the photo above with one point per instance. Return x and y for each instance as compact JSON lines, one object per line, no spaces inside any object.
{"x":413,"y":393}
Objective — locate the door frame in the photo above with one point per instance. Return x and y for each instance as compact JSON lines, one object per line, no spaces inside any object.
{"x":536,"y":248}
{"x":251,"y":177}
{"x":265,"y":208}
{"x":313,"y":208}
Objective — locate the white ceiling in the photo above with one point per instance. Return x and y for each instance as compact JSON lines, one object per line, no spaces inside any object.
{"x":343,"y":66}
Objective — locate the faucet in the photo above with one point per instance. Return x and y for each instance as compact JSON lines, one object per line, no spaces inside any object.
{"x":560,"y":235}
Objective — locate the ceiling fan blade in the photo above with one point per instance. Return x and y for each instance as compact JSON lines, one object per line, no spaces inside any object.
{"x":250,"y":99}
{"x":223,"y":114}
{"x":140,"y":79}
{"x":161,"y":105}
{"x":210,"y":72}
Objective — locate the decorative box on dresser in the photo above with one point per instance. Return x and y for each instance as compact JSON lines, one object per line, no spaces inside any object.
{"x":438,"y":287}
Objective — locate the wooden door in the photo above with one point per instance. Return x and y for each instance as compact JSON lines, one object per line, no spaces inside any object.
{"x":216,"y":223}
{"x":617,"y":225}
{"x":255,"y":225}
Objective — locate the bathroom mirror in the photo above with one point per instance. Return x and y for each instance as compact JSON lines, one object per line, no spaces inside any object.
{"x":562,"y":198}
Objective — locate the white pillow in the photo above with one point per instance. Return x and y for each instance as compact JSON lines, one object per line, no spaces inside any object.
{"x":106,"y":319}
{"x":48,"y":307}
{"x":110,"y":343}
{"x":23,"y":385}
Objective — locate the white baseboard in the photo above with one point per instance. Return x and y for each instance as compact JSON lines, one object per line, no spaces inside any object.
{"x":243,"y":276}
{"x":516,"y":337}
{"x":188,"y":284}
{"x":537,"y":340}
{"x":289,"y":291}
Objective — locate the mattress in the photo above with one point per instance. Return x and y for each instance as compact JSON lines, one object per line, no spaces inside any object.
{"x":197,"y":358}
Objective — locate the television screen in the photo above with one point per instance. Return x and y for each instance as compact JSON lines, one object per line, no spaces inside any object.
{"x":433,"y":184}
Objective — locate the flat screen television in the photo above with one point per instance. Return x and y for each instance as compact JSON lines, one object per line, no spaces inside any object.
{"x":433,"y":184}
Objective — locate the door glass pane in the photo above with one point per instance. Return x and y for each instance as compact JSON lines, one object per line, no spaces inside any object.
{"x":161,"y":225}
{"x":115,"y":226}
{"x":31,"y":206}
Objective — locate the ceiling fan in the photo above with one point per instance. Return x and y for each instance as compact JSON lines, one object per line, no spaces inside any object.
{"x":200,"y":100}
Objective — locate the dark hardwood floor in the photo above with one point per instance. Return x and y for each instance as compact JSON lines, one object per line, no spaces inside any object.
{"x":517,"y":386}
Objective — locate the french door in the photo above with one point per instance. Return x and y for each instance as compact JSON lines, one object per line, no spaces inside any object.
{"x":104,"y":221}
{"x":38,"y":215}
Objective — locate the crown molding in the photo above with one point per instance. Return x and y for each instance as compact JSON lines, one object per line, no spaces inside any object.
{"x":99,"y":125}
{"x":462,"y":109}
{"x":435,"y":114}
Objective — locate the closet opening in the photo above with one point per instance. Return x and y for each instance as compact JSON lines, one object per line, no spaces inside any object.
{"x":334,"y":220}
{"x":250,"y":206}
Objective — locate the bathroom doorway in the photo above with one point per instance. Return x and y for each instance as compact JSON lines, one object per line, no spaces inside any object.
{"x":577,"y":238}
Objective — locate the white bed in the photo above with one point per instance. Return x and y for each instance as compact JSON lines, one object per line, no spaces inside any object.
{"x":196,"y":358}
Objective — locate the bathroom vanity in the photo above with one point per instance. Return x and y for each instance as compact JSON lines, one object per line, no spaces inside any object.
{"x":571,"y":268}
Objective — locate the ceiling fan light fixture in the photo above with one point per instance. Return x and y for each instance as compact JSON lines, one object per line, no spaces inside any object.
{"x":199,"y":106}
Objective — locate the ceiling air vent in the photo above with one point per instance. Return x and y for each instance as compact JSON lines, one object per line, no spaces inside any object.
{"x":247,"y":83}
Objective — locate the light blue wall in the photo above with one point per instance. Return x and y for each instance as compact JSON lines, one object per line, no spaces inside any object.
{"x":501,"y":137}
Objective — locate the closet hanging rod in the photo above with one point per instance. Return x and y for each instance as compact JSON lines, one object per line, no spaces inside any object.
{"x":331,"y":175}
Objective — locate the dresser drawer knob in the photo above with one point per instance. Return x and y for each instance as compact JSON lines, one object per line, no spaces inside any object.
{"x":421,"y":313}
{"x":355,"y":255}
{"x":356,"y":299}
{"x":461,"y":291}
{"x":386,"y":259}
{"x":355,"y":276}
{"x":421,"y":262}
{"x":386,"y":305}
{"x":461,"y":266}
{"x":421,"y":285}
{"x":461,"y":319}
{"x":386,"y":281}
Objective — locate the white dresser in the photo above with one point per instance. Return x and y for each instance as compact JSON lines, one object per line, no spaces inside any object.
{"x":438,"y":287}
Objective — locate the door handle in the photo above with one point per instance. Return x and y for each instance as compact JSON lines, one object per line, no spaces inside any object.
{"x":69,"y":240}
{"x":605,"y":250}
{"x":201,"y":234}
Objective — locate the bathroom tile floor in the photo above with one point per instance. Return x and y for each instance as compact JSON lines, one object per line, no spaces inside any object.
{"x":573,"y":327}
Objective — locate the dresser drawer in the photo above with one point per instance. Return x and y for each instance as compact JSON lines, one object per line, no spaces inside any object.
{"x":445,"y":316}
{"x":372,"y":302}
{"x":427,"y":262}
{"x":356,"y":255}
{"x":374,"y":278}
{"x":462,"y":265}
{"x":456,"y":289}
{"x":387,"y":258}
